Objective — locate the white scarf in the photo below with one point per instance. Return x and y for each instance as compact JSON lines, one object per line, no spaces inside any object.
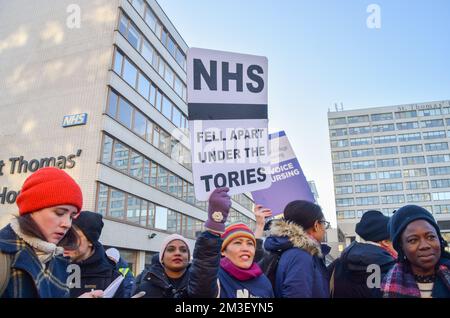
{"x":44,"y":250}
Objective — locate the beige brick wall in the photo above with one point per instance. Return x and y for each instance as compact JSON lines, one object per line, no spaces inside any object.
{"x":48,"y":70}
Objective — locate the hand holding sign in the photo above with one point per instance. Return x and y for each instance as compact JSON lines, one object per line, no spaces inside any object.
{"x":261,"y":214}
{"x":218,"y":209}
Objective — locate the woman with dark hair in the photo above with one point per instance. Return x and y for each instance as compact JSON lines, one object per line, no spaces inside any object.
{"x":31,"y":246}
{"x":423,"y":267}
{"x":301,"y":270}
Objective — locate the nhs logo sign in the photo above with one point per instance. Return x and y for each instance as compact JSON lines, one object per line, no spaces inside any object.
{"x":74,"y":120}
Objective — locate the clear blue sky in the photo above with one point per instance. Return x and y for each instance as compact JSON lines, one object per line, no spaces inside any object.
{"x":321,"y":52}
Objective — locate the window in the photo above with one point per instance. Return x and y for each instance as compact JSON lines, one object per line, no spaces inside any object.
{"x":434,"y":134}
{"x":134,"y":37}
{"x":358,"y":119}
{"x":178,"y":87}
{"x":360,"y":141}
{"x":147,"y":52}
{"x":392,"y":162}
{"x":347,"y":214}
{"x":102,"y":201}
{"x":413,"y":160}
{"x":338,"y":132}
{"x":430,"y":112}
{"x":409,"y":137}
{"x":129,"y":73}
{"x":161,"y":218}
{"x":395,"y":186}
{"x":158,"y":100}
{"x":392,"y":199}
{"x":136,"y":165}
{"x":440,"y":183}
{"x":383,"y":128}
{"x":117,"y":204}
{"x":438,"y":146}
{"x":171,"y":46}
{"x":146,"y":171}
{"x":364,"y":176}
{"x":123,"y":24}
{"x":362,"y":153}
{"x":166,"y":107}
{"x":176,"y":117}
{"x":343,"y":178}
{"x":138,"y":5}
{"x":344,"y":202}
{"x":164,"y":142}
{"x":416,"y":185}
{"x":441,"y":209}
{"x":365,"y":188}
{"x":118,"y":61}
{"x":162,"y":179}
{"x":173,"y":222}
{"x":393,"y":174}
{"x":181,"y":58}
{"x":112,"y":105}
{"x":125,"y":113}
{"x":359,"y":130}
{"x":342,"y":166}
{"x":432,"y":123}
{"x":339,"y":143}
{"x":120,"y":157}
{"x":441,"y":196}
{"x":420,"y":172}
{"x":382,"y":116}
{"x":408,"y":125}
{"x":382,"y":151}
{"x":152,"y":95}
{"x":384,"y":139}
{"x":337,"y":121}
{"x":438,"y":158}
{"x":150,"y":19}
{"x":134,"y":207}
{"x":367,"y":201}
{"x":169,"y":76}
{"x":411,"y":148}
{"x":139,"y":124}
{"x":344,"y":190}
{"x":363,"y":164}
{"x":144,"y":86}
{"x":406,"y":114}
{"x":336,"y":155}
{"x":436,"y":171}
{"x":107,"y":149}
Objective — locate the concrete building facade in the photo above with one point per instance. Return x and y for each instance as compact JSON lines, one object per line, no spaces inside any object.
{"x":98,"y":88}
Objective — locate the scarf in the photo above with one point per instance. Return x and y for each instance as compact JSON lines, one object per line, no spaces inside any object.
{"x":400,"y":281}
{"x":44,"y":250}
{"x":239,"y":273}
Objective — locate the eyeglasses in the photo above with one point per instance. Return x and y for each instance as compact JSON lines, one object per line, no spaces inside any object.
{"x":326,"y":224}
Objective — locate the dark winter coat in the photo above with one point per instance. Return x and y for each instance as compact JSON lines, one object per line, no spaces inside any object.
{"x":29,"y":278}
{"x":97,"y":272}
{"x":350,"y":270}
{"x":301,"y":270}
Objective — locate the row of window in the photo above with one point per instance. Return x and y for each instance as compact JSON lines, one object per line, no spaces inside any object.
{"x":393,"y":186}
{"x":146,"y":13}
{"x":132,"y":118}
{"x":123,"y":66}
{"x":344,"y":154}
{"x":390,"y":116}
{"x":125,"y":159}
{"x":351,"y":214}
{"x":120,"y":205}
{"x":386,"y":128}
{"x":393,"y":174}
{"x":150,"y":54}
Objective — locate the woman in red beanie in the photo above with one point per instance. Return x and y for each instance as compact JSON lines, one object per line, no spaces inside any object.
{"x":31,"y":246}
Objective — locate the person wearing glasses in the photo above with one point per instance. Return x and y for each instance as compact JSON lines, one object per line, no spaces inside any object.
{"x":301,"y":270}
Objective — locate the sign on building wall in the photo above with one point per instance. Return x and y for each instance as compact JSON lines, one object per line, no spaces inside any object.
{"x":288,"y":180}
{"x":74,"y":120}
{"x":227,"y":105}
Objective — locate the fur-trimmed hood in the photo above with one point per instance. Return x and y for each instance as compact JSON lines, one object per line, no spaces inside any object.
{"x":285,"y":235}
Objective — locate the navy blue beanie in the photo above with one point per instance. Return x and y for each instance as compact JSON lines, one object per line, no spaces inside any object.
{"x":373,"y":226}
{"x":91,"y":224}
{"x":405,"y":215}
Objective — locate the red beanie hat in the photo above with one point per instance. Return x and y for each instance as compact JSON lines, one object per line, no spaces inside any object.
{"x":46,"y":188}
{"x":236,"y":230}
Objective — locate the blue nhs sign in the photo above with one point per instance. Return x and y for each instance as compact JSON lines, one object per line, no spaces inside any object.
{"x":74,"y":120}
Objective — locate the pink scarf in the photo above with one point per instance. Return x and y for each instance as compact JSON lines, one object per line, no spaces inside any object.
{"x":239,"y":273}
